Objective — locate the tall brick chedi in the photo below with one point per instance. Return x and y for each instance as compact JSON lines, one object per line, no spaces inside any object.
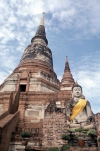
{"x":30,"y":89}
{"x":67,"y":79}
{"x":35,"y":71}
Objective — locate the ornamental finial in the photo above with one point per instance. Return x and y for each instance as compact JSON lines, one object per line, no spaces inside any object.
{"x":42,"y":19}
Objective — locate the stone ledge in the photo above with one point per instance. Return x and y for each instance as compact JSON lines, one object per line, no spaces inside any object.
{"x":84,"y":149}
{"x":71,"y":149}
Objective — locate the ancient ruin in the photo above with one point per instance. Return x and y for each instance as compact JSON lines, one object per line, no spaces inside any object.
{"x":34,"y":104}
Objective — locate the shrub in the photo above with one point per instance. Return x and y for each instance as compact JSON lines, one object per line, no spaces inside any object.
{"x":25,"y":134}
{"x":76,"y":136}
{"x":54,"y":149}
{"x":84,"y":131}
{"x":70,"y":130}
{"x":79,"y":129}
{"x":65,"y":147}
{"x":91,"y":132}
{"x":65,"y":137}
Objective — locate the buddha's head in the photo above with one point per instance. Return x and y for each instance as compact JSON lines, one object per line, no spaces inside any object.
{"x":76,"y":91}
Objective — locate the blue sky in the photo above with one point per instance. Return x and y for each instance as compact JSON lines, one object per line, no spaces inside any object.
{"x":72,"y":29}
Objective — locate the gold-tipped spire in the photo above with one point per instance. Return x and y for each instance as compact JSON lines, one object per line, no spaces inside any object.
{"x":42,"y":19}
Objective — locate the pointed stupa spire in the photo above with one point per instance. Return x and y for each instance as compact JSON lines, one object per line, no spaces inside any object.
{"x":66,"y":58}
{"x":41,"y":34}
{"x":67,"y":64}
{"x":76,"y":85}
{"x":42,"y":19}
{"x":67,"y":79}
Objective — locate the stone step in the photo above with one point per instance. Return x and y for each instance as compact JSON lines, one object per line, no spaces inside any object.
{"x":5,"y":120}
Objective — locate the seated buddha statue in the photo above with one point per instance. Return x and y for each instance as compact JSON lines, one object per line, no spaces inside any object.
{"x":78,"y":110}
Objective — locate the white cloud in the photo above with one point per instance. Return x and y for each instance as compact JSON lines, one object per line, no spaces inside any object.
{"x":3,"y":76}
{"x":90,"y":81}
{"x":77,"y":15}
{"x":23,"y":16}
{"x":87,"y":74}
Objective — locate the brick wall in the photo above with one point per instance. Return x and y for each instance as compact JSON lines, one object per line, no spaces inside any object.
{"x":54,"y":125}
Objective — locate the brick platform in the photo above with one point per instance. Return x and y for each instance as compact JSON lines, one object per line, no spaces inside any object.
{"x":84,"y":149}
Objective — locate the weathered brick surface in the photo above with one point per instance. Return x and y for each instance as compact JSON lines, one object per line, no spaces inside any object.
{"x":54,"y":125}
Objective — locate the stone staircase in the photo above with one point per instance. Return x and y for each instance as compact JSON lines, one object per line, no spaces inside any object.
{"x":8,"y":123}
{"x":6,"y":120}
